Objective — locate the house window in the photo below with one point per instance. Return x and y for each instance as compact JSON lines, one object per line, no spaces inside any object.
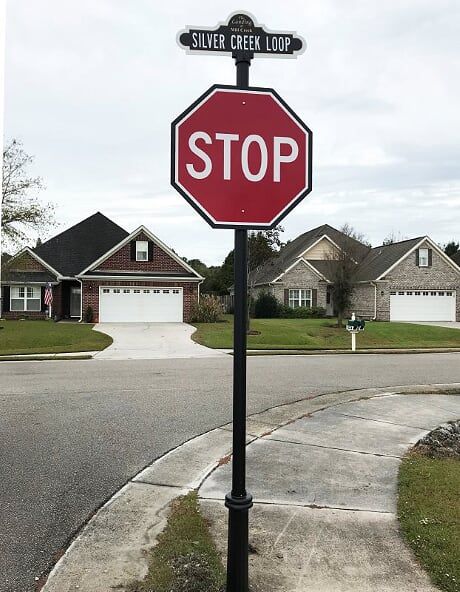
{"x":423,"y":257}
{"x":142,"y":250}
{"x":298,"y":298}
{"x":25,"y":298}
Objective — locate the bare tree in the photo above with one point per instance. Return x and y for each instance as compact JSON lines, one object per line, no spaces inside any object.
{"x":22,"y":211}
{"x":393,"y":237}
{"x":342,"y":266}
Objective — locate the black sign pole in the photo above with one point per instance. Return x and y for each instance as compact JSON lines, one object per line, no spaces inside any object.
{"x":239,"y":501}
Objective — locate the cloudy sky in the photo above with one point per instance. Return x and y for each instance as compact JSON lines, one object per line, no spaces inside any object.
{"x":92,"y":86}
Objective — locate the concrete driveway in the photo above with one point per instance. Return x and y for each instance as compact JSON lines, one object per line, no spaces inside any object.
{"x":152,"y":341}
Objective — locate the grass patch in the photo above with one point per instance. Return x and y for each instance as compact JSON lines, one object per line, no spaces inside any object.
{"x":309,"y":334}
{"x":48,"y":337}
{"x":185,"y":558}
{"x":429,"y":514}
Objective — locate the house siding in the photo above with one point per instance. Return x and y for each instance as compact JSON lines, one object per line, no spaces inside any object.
{"x":161,"y":262}
{"x":91,"y":293}
{"x":303,"y":277}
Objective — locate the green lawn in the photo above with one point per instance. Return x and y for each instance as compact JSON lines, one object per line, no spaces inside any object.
{"x":33,"y":337}
{"x":429,"y":513}
{"x":321,"y":334}
{"x":185,"y":557}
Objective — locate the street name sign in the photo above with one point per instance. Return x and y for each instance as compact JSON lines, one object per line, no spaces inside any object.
{"x":241,"y":33}
{"x":241,"y":157}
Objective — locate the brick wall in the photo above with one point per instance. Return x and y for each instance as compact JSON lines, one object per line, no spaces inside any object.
{"x":25,"y":262}
{"x":303,"y":277}
{"x":32,"y":315}
{"x":91,"y":293}
{"x":363,"y":301}
{"x":407,"y":275}
{"x":121,"y":260}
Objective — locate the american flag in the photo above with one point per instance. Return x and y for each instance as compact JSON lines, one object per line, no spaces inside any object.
{"x":48,"y":295}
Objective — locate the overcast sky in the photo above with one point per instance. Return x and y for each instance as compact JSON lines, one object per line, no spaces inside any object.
{"x":92,"y":86}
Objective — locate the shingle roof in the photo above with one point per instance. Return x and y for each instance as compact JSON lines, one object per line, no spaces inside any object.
{"x":77,"y":247}
{"x":288,"y":254}
{"x":379,"y":259}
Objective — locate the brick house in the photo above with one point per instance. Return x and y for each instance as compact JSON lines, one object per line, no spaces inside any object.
{"x":123,"y":277}
{"x":411,"y":280}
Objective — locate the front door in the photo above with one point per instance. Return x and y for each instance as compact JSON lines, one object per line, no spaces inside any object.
{"x":329,"y":303}
{"x":75,"y":301}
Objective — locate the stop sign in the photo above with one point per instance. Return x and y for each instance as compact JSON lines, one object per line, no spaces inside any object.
{"x":242,"y":158}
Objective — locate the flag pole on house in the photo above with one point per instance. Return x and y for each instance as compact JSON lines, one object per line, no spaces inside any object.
{"x":49,"y":297}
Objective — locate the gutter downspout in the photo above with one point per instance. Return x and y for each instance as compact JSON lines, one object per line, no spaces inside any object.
{"x":81,"y":299}
{"x":375,"y":301}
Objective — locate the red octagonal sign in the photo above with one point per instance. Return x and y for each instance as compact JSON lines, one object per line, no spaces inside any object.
{"x":242,"y":158}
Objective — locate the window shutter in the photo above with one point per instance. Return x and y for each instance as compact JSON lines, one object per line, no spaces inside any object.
{"x":286,"y":297}
{"x":314,"y":298}
{"x":150,"y":251}
{"x":430,"y":257}
{"x":417,"y":259}
{"x":43,"y":307}
{"x":133,"y":250}
{"x":6,"y":299}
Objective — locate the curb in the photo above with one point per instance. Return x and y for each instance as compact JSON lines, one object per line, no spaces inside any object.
{"x":112,"y":548}
{"x":331,"y":352}
{"x":39,"y":357}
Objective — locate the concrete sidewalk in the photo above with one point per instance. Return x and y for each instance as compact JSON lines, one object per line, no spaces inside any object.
{"x":323,"y":474}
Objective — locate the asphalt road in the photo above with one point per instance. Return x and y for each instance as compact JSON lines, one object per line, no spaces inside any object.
{"x":72,"y":433}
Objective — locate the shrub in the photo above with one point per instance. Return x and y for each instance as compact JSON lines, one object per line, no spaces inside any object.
{"x":207,"y":310}
{"x":266,"y":306}
{"x":315,"y":312}
{"x":89,"y":314}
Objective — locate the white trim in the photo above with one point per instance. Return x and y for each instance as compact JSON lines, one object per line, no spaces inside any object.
{"x":131,"y":236}
{"x":37,"y":258}
{"x":319,"y":240}
{"x":27,"y":283}
{"x":130,"y":278}
{"x":25,"y":299}
{"x":197,"y":203}
{"x":301,"y":259}
{"x":413,"y":249}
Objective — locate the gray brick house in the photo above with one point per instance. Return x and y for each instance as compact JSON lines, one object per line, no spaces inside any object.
{"x":411,"y":280}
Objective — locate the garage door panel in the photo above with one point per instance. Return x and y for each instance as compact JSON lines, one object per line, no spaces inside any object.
{"x":417,"y":305}
{"x":141,"y":305}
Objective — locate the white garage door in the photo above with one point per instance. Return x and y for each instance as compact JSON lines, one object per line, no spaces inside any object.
{"x":416,"y":305}
{"x":140,"y":305}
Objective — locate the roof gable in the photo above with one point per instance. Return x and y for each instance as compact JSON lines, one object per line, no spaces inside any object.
{"x":26,"y":266}
{"x":74,"y":249}
{"x":117,"y":259}
{"x":276,"y":266}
